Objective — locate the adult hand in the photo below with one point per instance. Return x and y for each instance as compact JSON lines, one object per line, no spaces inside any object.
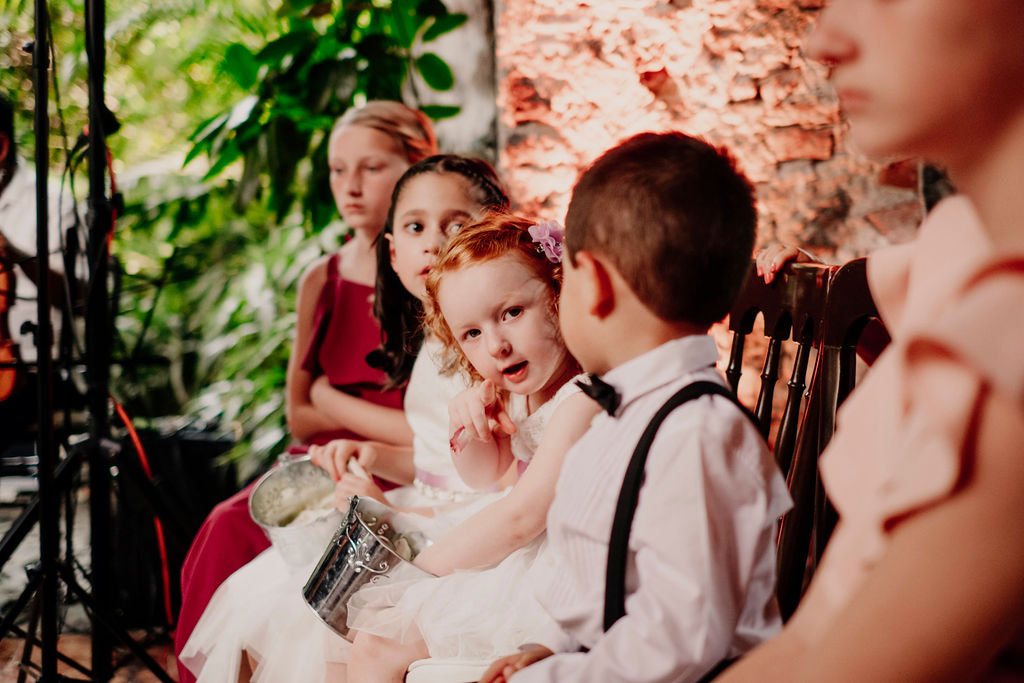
{"x":503,"y":669}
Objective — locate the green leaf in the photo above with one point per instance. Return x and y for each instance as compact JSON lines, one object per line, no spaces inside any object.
{"x":298,"y":5}
{"x":240,"y":64}
{"x":439,"y":111}
{"x":405,"y":21}
{"x":435,"y":71}
{"x":197,"y":149}
{"x":431,"y":8}
{"x":205,"y":136}
{"x":226,"y":155}
{"x":296,"y":9}
{"x":328,"y":48}
{"x":209,"y":128}
{"x":442,"y":25}
{"x":287,"y":45}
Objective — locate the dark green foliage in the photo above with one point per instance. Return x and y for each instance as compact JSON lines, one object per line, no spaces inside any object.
{"x":245,"y":93}
{"x":307,"y":77}
{"x":435,"y":72}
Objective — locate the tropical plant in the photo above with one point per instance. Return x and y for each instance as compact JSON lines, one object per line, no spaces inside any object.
{"x":304,"y":78}
{"x":211,"y":256}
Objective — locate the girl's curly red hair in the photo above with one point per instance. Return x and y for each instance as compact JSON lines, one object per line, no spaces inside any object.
{"x":493,"y":236}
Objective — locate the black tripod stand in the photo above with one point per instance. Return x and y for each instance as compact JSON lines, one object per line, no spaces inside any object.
{"x":62,"y":569}
{"x":52,"y":572}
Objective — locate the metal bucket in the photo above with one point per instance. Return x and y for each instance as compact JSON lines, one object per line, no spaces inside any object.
{"x":358,"y":555}
{"x":282,"y":495}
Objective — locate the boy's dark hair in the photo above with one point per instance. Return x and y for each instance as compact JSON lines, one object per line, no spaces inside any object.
{"x":675,"y":217}
{"x":399,"y":313}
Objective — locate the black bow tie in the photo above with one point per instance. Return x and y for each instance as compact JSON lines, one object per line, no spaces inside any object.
{"x":602,"y":392}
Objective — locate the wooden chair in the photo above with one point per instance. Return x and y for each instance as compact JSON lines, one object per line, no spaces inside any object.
{"x":808,"y":306}
{"x":793,"y":309}
{"x":848,"y":311}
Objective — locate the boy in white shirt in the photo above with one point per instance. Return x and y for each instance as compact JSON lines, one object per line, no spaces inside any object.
{"x":659,"y":235}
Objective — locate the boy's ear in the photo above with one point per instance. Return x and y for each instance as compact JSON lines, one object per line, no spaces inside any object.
{"x":596,"y":280}
{"x":5,"y":147}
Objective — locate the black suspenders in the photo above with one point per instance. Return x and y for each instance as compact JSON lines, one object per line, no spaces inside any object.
{"x":629,"y":495}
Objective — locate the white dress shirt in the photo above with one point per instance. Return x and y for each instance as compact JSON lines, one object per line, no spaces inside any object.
{"x":700,"y":572}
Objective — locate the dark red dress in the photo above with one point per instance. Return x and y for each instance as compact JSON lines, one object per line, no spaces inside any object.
{"x":345,"y":332}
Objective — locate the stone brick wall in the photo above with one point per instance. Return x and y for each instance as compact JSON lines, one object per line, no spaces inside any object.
{"x":574,"y":78}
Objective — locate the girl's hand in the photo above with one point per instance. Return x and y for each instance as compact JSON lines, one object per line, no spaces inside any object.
{"x":479,"y":413}
{"x":334,"y":456}
{"x":772,"y":258}
{"x":503,"y":669}
{"x":354,"y":485}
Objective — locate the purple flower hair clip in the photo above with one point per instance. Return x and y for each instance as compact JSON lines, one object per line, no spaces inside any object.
{"x":550,"y":239}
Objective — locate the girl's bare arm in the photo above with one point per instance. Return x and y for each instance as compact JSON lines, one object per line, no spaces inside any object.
{"x":305,"y":419}
{"x":513,"y":521}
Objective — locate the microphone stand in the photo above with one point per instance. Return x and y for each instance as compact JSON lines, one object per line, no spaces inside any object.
{"x":97,"y":336}
{"x":49,"y":531}
{"x":99,"y":332}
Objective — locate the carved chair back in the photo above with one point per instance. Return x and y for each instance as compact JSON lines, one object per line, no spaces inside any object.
{"x":808,"y":306}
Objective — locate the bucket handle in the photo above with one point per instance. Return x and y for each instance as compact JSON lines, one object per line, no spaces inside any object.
{"x":361,"y":563}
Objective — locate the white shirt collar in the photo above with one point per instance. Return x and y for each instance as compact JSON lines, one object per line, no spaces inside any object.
{"x":661,"y":366}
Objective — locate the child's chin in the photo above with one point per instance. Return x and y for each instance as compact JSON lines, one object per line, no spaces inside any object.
{"x":515,"y":387}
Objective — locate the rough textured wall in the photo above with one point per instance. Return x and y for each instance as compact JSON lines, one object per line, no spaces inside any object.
{"x":574,"y":78}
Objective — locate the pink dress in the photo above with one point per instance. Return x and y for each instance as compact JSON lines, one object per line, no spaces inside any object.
{"x":904,"y":436}
{"x":346,"y":332}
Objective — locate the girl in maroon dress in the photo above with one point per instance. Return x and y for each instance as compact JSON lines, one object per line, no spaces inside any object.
{"x":331,"y":391}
